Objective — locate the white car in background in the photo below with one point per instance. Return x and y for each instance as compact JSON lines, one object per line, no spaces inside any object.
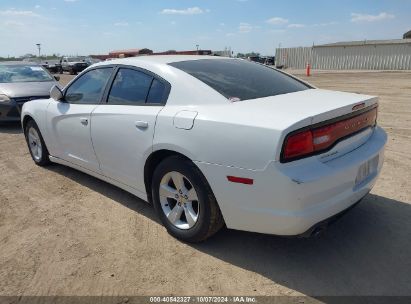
{"x":213,"y":141}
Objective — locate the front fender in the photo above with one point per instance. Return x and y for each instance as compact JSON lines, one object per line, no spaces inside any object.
{"x":37,"y":110}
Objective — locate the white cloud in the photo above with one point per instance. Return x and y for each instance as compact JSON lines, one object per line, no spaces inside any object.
{"x":246,"y":27}
{"x":326,"y":23}
{"x":188,"y":11}
{"x":277,"y":31}
{"x":13,"y":12}
{"x":355,"y":17}
{"x":296,"y":25}
{"x":277,"y":21}
{"x":13,"y":24}
{"x":121,"y":24}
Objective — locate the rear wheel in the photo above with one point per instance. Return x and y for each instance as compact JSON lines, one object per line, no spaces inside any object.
{"x":35,"y":142}
{"x":184,"y":201}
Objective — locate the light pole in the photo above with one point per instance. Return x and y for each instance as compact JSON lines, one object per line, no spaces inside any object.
{"x":39,"y":47}
{"x":197,"y":46}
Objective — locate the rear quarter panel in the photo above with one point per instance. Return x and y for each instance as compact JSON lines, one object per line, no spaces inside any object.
{"x":218,"y":137}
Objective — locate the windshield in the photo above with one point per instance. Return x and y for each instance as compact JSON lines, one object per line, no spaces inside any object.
{"x":23,"y":73}
{"x":239,"y":79}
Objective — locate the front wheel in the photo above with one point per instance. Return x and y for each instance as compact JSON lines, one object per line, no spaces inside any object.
{"x":184,"y":201}
{"x":35,"y":142}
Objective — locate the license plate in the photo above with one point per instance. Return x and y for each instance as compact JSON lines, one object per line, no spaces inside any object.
{"x":366,"y":170}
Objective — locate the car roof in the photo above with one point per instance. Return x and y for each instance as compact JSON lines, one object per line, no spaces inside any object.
{"x":160,"y":59}
{"x":183,"y":84}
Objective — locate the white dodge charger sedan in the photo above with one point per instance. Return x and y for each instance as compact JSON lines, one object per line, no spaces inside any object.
{"x":213,"y":141}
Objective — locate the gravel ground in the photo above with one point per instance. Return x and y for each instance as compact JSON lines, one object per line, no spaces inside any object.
{"x":65,"y":233}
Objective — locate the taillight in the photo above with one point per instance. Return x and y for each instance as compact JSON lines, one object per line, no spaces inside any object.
{"x":320,"y":138}
{"x":299,"y":144}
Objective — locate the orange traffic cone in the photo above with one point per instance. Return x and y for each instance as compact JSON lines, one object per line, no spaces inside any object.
{"x":308,"y":71}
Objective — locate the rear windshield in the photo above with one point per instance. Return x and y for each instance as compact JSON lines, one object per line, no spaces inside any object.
{"x":240,"y":79}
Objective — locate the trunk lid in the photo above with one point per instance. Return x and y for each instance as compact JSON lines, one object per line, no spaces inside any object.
{"x":316,"y":105}
{"x":291,"y":112}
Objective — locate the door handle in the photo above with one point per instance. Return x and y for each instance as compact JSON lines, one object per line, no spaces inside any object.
{"x":141,"y":124}
{"x":84,"y":121}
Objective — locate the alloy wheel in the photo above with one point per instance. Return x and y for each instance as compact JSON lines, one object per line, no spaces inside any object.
{"x":179,"y":200}
{"x":35,"y":144}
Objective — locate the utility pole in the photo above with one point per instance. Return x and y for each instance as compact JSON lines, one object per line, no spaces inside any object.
{"x":197,"y":46}
{"x":39,"y":47}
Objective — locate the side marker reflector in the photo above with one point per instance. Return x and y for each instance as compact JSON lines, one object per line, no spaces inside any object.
{"x":240,"y":180}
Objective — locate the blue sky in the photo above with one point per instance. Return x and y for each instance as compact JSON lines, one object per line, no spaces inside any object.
{"x":96,"y":27}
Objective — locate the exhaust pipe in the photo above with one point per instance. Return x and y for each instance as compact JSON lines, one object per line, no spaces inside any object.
{"x":318,"y":231}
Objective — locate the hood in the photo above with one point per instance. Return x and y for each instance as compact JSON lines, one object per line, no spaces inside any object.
{"x":24,"y":89}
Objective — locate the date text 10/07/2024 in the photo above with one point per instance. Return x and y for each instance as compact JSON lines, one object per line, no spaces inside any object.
{"x":238,"y":299}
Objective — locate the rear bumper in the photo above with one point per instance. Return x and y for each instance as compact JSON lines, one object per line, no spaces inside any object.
{"x":289,"y":199}
{"x":323,"y":225}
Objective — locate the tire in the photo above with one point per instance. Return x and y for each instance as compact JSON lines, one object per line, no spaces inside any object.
{"x":36,"y":145}
{"x":200,"y":202}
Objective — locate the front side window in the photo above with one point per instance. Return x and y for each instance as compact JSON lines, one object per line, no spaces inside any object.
{"x":240,"y":79}
{"x":89,"y":88}
{"x":130,"y":87}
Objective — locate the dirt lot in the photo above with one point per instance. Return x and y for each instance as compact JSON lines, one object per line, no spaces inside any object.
{"x":65,"y":233}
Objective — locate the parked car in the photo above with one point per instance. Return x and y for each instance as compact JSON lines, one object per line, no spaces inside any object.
{"x":269,"y":61}
{"x":20,"y":82}
{"x":53,"y":66}
{"x":73,"y":65}
{"x":213,"y":141}
{"x":90,"y":61}
{"x":257,"y":59}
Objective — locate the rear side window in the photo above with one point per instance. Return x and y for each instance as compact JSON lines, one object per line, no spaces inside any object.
{"x":240,"y":79}
{"x":157,"y":92}
{"x":130,"y":87}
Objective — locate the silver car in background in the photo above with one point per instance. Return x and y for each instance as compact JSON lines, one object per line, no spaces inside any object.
{"x":21,"y":82}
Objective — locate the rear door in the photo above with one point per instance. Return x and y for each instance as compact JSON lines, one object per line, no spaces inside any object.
{"x":122,"y":128}
{"x":69,"y":119}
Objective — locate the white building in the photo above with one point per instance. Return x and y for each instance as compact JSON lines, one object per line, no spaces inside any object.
{"x":355,"y":55}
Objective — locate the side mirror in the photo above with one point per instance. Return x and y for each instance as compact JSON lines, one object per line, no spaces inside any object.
{"x":57,"y":78}
{"x":56,"y":93}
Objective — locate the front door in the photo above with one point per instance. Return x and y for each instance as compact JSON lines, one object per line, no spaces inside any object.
{"x":69,"y":120}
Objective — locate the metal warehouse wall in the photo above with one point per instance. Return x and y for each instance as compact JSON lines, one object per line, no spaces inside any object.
{"x":363,"y":57}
